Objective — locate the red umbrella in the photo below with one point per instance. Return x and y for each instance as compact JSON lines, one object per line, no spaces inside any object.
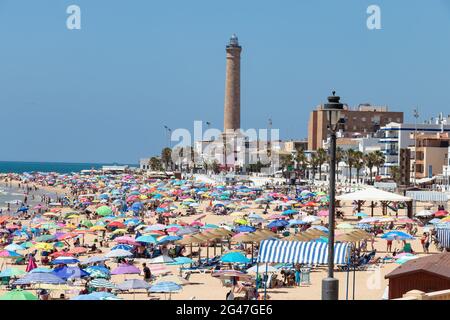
{"x":441,"y":213}
{"x":117,"y":224}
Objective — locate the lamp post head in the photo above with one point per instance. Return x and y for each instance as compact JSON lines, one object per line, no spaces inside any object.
{"x":333,"y":109}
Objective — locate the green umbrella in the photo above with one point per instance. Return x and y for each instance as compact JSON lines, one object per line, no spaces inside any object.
{"x":18,"y":294}
{"x":45,"y":237}
{"x":86,"y":223}
{"x":104,"y":211}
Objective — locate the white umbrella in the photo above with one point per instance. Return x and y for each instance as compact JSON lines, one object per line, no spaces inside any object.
{"x":162,"y":259}
{"x":310,"y":219}
{"x":118,"y":253}
{"x":424,"y":213}
{"x":262,"y":269}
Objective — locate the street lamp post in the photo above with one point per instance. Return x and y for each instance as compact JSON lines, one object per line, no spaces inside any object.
{"x":416,"y":116}
{"x":330,"y":285}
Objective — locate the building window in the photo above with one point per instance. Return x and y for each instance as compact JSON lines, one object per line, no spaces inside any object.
{"x":363,"y":119}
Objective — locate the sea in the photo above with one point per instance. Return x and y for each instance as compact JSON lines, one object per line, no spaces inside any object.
{"x":60,"y":167}
{"x":15,"y":196}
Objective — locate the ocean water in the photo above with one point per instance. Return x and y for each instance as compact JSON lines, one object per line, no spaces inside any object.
{"x":60,"y":167}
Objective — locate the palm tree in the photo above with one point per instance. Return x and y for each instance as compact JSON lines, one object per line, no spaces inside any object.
{"x":380,"y":159}
{"x":285,"y":162}
{"x":155,"y":164}
{"x":369,"y":160}
{"x":349,"y":157}
{"x":313,"y":162}
{"x":396,"y":174}
{"x":166,"y":157}
{"x":301,"y":160}
{"x":359,"y":163}
{"x":215,"y":166}
{"x":340,"y":153}
{"x":321,"y":159}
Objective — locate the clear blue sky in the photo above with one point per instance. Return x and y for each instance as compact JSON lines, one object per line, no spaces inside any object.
{"x":103,"y":93}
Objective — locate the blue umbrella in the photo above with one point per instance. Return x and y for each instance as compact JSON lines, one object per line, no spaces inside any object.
{"x":98,"y":271}
{"x":361,"y":214}
{"x":70,"y":272}
{"x":289,"y":212}
{"x":96,"y":296}
{"x":165,"y":286}
{"x":234,"y":257}
{"x":321,"y":228}
{"x":245,"y":229}
{"x":294,"y":222}
{"x":65,"y":260}
{"x":146,"y":239}
{"x":40,"y":277}
{"x":169,"y":239}
{"x":397,"y":235}
{"x":278,"y":224}
{"x":186,"y":230}
{"x":137,"y":206}
{"x":122,"y":246}
{"x":41,"y":270}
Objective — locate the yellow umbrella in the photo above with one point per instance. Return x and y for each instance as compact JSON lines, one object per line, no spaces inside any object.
{"x":120,"y":231}
{"x":43,"y":246}
{"x":70,"y":226}
{"x":143,"y":197}
{"x":73,"y":216}
{"x":241,"y":221}
{"x":97,"y":228}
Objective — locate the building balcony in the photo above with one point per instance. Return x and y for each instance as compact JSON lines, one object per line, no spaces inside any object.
{"x":388,"y":139}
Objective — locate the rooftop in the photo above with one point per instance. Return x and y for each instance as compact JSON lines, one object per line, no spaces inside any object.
{"x":438,"y":264}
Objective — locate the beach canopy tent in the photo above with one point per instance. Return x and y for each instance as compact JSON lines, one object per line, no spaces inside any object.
{"x":374,"y":194}
{"x":277,"y":251}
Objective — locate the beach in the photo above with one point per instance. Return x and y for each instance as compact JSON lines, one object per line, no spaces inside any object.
{"x":359,"y":285}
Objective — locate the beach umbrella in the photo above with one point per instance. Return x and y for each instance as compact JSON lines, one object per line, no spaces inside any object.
{"x":11,"y":272}
{"x":310,"y":219}
{"x":98,"y":272}
{"x":91,"y":260}
{"x":9,"y":254}
{"x":175,"y":279}
{"x":46,"y":237}
{"x":18,"y":294}
{"x":118,"y":253}
{"x":125,"y":269}
{"x":169,"y":239}
{"x":397,"y":235}
{"x":227,"y":274}
{"x":345,"y":226}
{"x":14,"y":247}
{"x":97,"y":296}
{"x":65,"y":260}
{"x":234,"y":257}
{"x":161,"y":259}
{"x":41,"y":270}
{"x":262,"y":268}
{"x":104,"y":211}
{"x":278,"y":224}
{"x":294,"y":222}
{"x":424,"y":213}
{"x":146,"y":239}
{"x":165,"y":287}
{"x":40,"y":277}
{"x":70,"y":272}
{"x":155,"y":227}
{"x":122,"y":246}
{"x":102,"y":283}
{"x":361,"y":214}
{"x":126,"y":240}
{"x":87,"y":223}
{"x":245,"y":229}
{"x":133,"y":284}
{"x":441,"y":213}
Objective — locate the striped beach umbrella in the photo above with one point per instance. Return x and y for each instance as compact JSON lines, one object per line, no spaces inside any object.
{"x":102,"y":283}
{"x":32,"y":278}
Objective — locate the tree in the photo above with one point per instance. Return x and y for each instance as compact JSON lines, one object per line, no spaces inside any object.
{"x":358,"y":163}
{"x":339,"y":157}
{"x":155,"y":164}
{"x":215,"y":167}
{"x":301,"y":160}
{"x":380,"y":159}
{"x":349,"y":157}
{"x":369,"y":160}
{"x":396,"y":175}
{"x":166,"y":157}
{"x":286,"y":161}
{"x":322,"y":157}
{"x":313,"y":162}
